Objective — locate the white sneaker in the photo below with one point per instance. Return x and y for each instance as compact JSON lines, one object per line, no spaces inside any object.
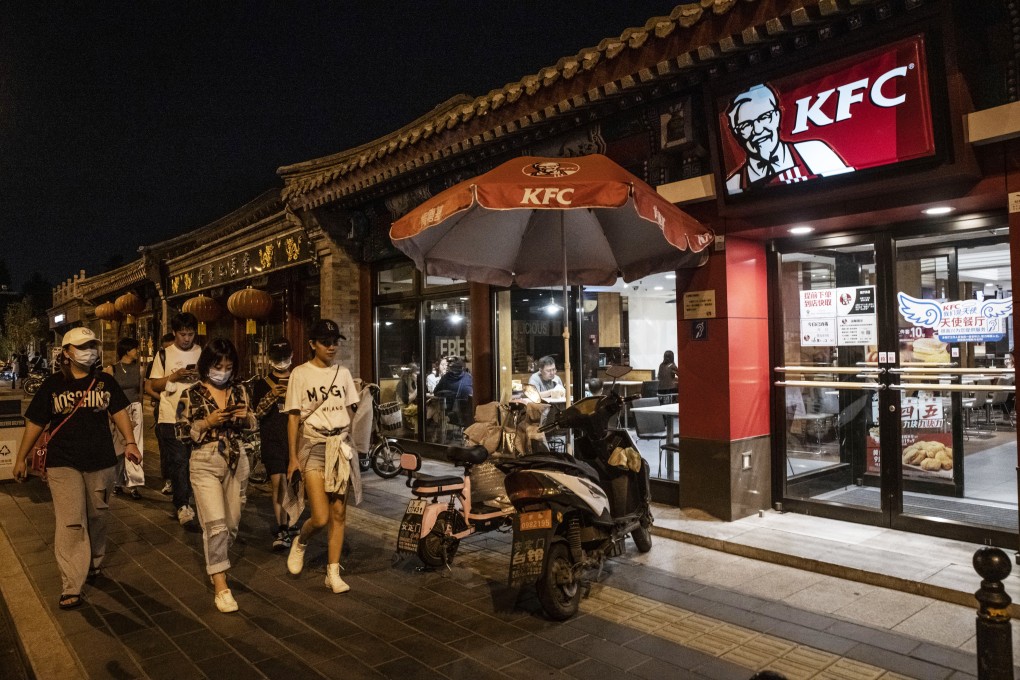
{"x":333,"y":580}
{"x":225,"y":601}
{"x":185,"y":515}
{"x":296,"y":558}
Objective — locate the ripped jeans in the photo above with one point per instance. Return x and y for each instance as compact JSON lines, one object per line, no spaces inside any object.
{"x":219,"y":499}
{"x":81,"y":509}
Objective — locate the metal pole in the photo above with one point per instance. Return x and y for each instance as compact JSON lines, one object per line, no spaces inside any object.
{"x":994,"y":635}
{"x":566,"y":313}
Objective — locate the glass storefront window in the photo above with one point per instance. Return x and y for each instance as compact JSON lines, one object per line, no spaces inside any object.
{"x":395,"y":280}
{"x":449,"y":406}
{"x":398,"y":358}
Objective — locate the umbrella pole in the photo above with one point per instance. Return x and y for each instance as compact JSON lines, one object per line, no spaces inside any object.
{"x":566,"y":314}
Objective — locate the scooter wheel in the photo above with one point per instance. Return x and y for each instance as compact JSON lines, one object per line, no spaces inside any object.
{"x":385,"y":459}
{"x":431,"y":546}
{"x":559,"y":591}
{"x":642,"y":539}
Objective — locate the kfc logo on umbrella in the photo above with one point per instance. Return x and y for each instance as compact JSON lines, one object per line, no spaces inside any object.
{"x":858,"y":113}
{"x":550,"y":169}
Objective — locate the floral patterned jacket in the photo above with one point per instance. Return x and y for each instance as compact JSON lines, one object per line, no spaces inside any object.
{"x":234,"y":438}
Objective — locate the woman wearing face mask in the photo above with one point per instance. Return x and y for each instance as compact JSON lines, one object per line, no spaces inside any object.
{"x":268,"y":394}
{"x":76,"y":404}
{"x":214,"y":415}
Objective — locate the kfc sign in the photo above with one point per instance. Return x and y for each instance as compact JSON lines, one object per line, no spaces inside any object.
{"x":863,"y":112}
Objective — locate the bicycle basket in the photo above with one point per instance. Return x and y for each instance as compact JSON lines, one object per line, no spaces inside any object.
{"x":390,"y":417}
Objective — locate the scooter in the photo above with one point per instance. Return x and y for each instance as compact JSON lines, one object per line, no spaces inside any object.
{"x":447,"y":509}
{"x":34,"y":381}
{"x":575,"y":512}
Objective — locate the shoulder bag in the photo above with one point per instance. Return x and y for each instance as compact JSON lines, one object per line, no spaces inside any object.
{"x":41,"y":444}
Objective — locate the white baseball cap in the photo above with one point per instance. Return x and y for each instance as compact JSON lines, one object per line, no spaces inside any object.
{"x":78,"y":336}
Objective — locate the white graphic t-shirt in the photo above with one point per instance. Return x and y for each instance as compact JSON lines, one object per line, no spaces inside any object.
{"x":325,"y":393}
{"x":171,"y":394}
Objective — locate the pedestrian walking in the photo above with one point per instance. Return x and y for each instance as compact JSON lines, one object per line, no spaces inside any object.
{"x":213,"y":415}
{"x":164,"y":461}
{"x":173,"y":372}
{"x":269,"y":396}
{"x":321,"y":397}
{"x":23,"y":366}
{"x":76,"y":404}
{"x":127,"y":372}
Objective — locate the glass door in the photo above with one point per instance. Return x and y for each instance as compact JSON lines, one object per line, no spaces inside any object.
{"x":895,"y":383}
{"x":828,"y":379}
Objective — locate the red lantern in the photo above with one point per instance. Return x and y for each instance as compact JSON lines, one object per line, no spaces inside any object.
{"x":107,"y":312}
{"x":204,"y":308}
{"x":250,"y":304}
{"x":129,"y":305}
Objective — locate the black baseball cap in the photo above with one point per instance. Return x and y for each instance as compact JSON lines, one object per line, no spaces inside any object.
{"x":325,"y":329}
{"x":280,"y":349}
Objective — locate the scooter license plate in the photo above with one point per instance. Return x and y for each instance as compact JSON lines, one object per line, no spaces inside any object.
{"x":416,"y":507}
{"x":539,"y":519}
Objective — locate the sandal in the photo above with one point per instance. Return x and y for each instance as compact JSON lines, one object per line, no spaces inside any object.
{"x":94,"y":573}
{"x":70,"y":601}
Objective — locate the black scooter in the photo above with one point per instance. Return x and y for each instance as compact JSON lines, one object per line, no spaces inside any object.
{"x":574,"y":512}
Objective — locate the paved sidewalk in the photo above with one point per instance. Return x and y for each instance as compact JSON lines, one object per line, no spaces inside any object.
{"x":679,"y":611}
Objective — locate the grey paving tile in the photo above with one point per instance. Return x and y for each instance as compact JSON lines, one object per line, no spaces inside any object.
{"x":369,"y":649}
{"x":493,"y":628}
{"x":810,"y":637}
{"x":657,"y":669}
{"x":465,"y":668}
{"x":427,"y":650}
{"x":175,"y":623}
{"x":406,"y":667}
{"x":784,"y":612}
{"x":901,"y":644}
{"x":545,"y":651}
{"x":312,"y":647}
{"x":528,"y":669}
{"x":285,"y":666}
{"x":147,"y":643}
{"x":439,"y":628}
{"x":617,"y":656}
{"x":127,"y":621}
{"x":201,"y":644}
{"x":606,"y":630}
{"x":670,"y":652}
{"x":944,"y":656}
{"x":171,"y":666}
{"x":487,"y":652}
{"x":253,"y":644}
{"x":718,"y":669}
{"x":229,"y":666}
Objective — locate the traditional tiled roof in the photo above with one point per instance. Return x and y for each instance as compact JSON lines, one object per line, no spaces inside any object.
{"x":97,"y":288}
{"x":693,"y":34}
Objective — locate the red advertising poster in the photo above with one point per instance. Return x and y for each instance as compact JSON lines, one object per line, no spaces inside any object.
{"x":862,"y":112}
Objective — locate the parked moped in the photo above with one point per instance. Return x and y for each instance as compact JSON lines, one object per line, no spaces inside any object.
{"x":446,"y":509}
{"x":575,"y":512}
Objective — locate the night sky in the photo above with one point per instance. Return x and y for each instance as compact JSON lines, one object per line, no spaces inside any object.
{"x":127,"y":123}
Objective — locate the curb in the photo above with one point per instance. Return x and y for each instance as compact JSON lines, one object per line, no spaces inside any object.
{"x":829,"y":569}
{"x":47,"y":653}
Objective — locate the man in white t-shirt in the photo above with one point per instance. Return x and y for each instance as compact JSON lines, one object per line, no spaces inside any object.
{"x":168,"y":379}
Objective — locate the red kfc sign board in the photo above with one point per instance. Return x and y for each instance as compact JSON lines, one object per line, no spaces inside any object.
{"x":862,"y":112}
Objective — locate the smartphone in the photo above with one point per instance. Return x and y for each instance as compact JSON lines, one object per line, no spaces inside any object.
{"x":190,"y":367}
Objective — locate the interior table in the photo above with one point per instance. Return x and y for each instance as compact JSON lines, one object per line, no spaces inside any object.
{"x":671,"y":410}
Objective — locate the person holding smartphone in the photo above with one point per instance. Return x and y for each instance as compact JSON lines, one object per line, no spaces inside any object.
{"x":321,"y":398}
{"x":173,"y":372}
{"x":269,"y":396}
{"x":213,"y":416}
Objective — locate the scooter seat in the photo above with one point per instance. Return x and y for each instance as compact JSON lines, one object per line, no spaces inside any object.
{"x":473,"y":455}
{"x":431,"y":485}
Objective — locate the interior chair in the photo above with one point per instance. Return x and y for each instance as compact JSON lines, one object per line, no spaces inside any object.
{"x":979,"y":401}
{"x":650,"y":388}
{"x":649,"y":425}
{"x":1001,"y":401}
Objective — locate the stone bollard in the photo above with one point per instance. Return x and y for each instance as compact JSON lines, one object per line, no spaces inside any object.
{"x":994,"y":635}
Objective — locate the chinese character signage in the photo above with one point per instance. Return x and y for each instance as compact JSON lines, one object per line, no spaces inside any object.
{"x":838,"y":316}
{"x":958,"y":320}
{"x":857,"y":113}
{"x":282,"y":251}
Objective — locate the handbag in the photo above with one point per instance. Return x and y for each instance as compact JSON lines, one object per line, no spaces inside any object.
{"x":42,"y":443}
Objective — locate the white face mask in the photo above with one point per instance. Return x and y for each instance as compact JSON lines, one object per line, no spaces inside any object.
{"x":83,"y":357}
{"x":281,"y":365}
{"x":218,"y":377}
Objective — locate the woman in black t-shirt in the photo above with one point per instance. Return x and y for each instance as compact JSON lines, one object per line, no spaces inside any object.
{"x":80,"y":460}
{"x":268,"y":394}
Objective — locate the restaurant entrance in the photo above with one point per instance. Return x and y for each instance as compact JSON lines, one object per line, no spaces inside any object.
{"x":894,"y":382}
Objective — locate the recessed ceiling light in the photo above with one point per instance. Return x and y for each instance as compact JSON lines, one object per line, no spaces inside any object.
{"x":658,"y":288}
{"x":670,"y":276}
{"x":938,"y":210}
{"x":804,"y":229}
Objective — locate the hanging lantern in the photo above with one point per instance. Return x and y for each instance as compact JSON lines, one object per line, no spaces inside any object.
{"x":204,"y":308}
{"x":250,"y":304}
{"x":129,"y":305}
{"x":107,"y":312}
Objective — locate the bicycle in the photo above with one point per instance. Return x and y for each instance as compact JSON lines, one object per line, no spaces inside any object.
{"x":383,"y":452}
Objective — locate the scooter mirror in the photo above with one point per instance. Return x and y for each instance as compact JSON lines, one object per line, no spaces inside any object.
{"x":532,"y":395}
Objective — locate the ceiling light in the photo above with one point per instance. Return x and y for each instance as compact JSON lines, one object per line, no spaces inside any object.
{"x":455,"y":318}
{"x":938,"y":210}
{"x":803,"y":229}
{"x":670,"y":276}
{"x":658,"y":288}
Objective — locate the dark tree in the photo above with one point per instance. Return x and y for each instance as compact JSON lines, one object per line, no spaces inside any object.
{"x":40,"y":291}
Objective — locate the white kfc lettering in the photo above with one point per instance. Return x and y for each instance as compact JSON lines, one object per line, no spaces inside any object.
{"x":849,"y":94}
{"x":546,"y":195}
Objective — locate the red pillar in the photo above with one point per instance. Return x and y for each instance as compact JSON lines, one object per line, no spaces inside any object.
{"x":724,"y":388}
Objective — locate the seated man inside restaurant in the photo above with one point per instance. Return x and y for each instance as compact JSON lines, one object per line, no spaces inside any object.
{"x":546,"y":381}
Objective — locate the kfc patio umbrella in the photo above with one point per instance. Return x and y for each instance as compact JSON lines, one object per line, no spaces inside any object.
{"x":550,"y":221}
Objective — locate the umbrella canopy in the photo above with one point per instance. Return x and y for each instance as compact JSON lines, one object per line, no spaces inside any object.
{"x":546,"y":221}
{"x":504,"y":226}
